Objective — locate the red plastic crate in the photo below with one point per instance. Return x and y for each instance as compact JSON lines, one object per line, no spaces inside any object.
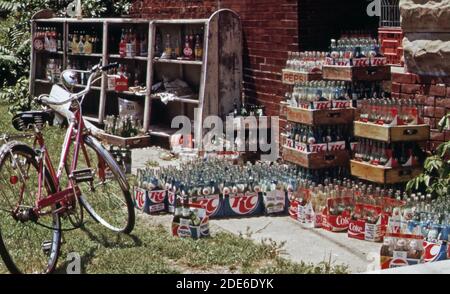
{"x":391,"y":41}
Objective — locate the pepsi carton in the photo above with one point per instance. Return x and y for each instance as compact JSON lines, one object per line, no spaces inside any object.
{"x":195,"y":226}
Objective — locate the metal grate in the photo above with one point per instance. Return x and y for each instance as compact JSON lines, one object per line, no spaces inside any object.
{"x":390,"y":13}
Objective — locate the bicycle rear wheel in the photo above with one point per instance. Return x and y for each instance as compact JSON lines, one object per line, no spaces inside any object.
{"x":28,"y":244}
{"x":107,"y":196}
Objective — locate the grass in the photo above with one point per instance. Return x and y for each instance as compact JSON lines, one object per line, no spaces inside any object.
{"x":152,"y":249}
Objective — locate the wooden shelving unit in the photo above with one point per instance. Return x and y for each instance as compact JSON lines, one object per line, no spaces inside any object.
{"x":215,"y":80}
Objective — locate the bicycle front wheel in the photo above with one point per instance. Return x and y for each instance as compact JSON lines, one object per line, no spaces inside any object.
{"x":29,"y":243}
{"x":106,"y":196}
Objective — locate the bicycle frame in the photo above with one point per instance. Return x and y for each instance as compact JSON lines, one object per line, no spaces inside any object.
{"x":66,"y":196}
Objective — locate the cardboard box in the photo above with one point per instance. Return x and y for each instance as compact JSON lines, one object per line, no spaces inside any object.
{"x":140,"y":199}
{"x":185,"y":229}
{"x":213,"y":205}
{"x":156,"y":201}
{"x":243,"y":205}
{"x":275,"y":202}
{"x":337,"y":221}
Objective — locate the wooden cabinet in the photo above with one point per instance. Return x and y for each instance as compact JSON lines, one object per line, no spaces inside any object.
{"x":215,"y":79}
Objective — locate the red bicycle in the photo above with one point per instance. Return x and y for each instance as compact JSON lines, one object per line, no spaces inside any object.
{"x":34,"y":196}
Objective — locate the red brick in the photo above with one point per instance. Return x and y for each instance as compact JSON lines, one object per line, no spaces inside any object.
{"x":447,"y":135}
{"x":428,"y":111}
{"x":421,"y":99}
{"x":438,"y":90}
{"x":412,"y":88}
{"x":434,"y":145}
{"x":430,"y":101}
{"x":404,"y":78}
{"x":437,"y":136}
{"x":396,"y":87}
{"x":443,"y":102}
{"x":395,"y":95}
{"x":440,"y":112}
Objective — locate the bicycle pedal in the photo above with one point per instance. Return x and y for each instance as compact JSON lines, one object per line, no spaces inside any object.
{"x":83,"y":175}
{"x":46,"y":247}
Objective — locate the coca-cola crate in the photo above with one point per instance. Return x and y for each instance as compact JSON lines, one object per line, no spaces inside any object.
{"x":317,"y":160}
{"x":356,"y":73}
{"x":243,"y":205}
{"x":392,"y":134}
{"x":362,"y":229}
{"x":321,"y":117}
{"x":337,"y":222}
{"x":304,"y":214}
{"x":383,"y":175}
{"x":292,"y":77}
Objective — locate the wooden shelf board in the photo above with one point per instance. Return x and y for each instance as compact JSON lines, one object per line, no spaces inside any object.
{"x":94,"y":55}
{"x":162,"y":131}
{"x":177,"y":61}
{"x":183,"y":99}
{"x":117,"y":56}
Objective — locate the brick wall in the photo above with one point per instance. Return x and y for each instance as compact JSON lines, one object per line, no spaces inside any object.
{"x":270,"y":30}
{"x":431,"y":94}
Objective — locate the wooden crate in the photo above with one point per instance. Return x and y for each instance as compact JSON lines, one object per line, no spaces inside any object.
{"x":383,"y":175}
{"x":316,"y":160}
{"x":320,"y":117}
{"x":355,"y":73}
{"x":392,"y":134}
{"x":132,"y":142}
{"x":292,"y":77}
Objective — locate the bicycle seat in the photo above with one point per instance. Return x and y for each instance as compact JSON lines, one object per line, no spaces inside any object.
{"x":28,"y":120}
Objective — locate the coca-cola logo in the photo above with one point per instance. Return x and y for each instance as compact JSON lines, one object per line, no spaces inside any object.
{"x":157,"y":197}
{"x":342,"y":221}
{"x":139,"y":196}
{"x":355,"y":228}
{"x":244,"y":204}
{"x":211,"y":204}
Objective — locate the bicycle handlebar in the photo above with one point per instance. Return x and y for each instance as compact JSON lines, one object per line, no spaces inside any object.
{"x":95,"y":70}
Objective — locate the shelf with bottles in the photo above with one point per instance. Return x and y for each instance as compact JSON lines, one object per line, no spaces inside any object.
{"x":48,"y":38}
{"x":128,"y":41}
{"x":179,"y":43}
{"x":128,"y":79}
{"x":85,"y":39}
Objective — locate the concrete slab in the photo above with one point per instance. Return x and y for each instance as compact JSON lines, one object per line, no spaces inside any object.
{"x":308,"y":245}
{"x":441,"y":267}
